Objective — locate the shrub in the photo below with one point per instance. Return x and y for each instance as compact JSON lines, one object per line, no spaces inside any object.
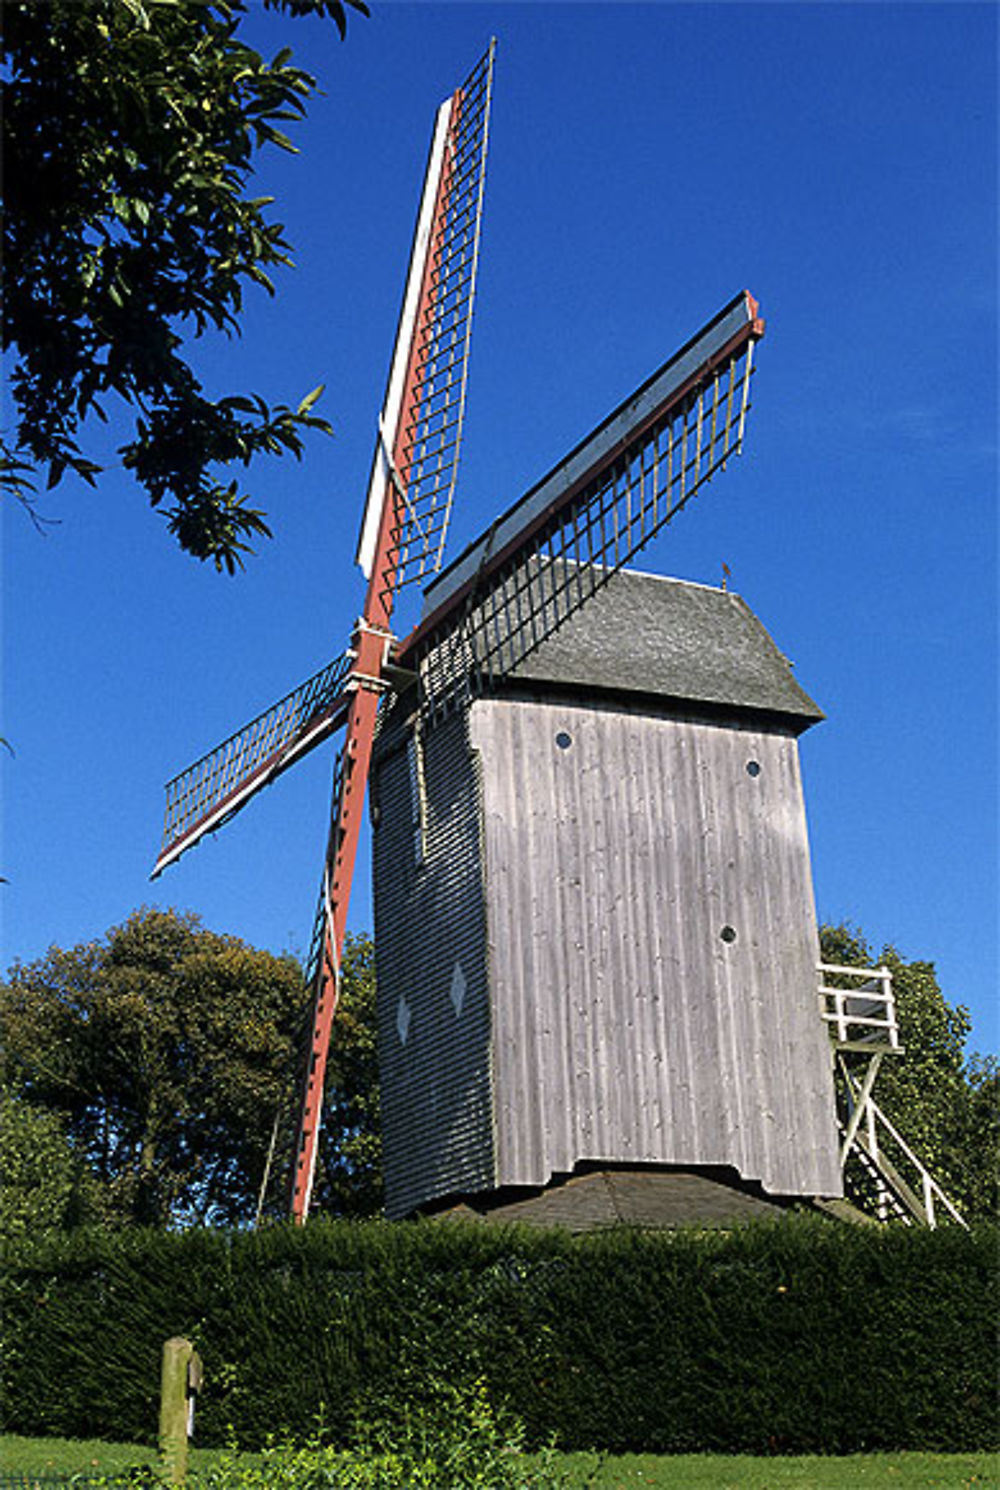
{"x":453,"y":1440}
{"x":798,"y":1337}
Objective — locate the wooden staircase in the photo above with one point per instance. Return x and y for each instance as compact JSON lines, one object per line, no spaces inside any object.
{"x":882,"y":1174}
{"x":896,"y":1188}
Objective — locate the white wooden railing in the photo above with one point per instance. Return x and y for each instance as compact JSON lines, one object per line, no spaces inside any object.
{"x":862,"y":1017}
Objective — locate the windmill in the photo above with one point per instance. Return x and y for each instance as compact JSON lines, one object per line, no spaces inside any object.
{"x":507,"y":1060}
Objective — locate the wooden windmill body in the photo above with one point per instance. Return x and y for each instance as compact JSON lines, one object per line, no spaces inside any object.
{"x":595,"y":932}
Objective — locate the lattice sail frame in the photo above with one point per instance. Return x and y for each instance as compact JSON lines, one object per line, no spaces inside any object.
{"x":513,"y":589}
{"x":322,"y":929}
{"x":423,"y":425}
{"x":434,"y":439}
{"x":206,"y":794}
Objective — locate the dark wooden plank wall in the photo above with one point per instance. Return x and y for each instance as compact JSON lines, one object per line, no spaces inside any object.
{"x":429,"y":920}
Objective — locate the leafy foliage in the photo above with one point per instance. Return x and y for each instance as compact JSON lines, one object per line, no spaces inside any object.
{"x":43,"y":1184}
{"x":798,"y":1336}
{"x":130,"y":131}
{"x":945,"y":1104}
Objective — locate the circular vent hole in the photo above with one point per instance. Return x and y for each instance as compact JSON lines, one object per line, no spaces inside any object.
{"x":564,"y":740}
{"x":728,"y":933}
{"x":753,"y":768}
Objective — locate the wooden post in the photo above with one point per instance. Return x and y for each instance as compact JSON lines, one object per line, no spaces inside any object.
{"x":180,"y":1378}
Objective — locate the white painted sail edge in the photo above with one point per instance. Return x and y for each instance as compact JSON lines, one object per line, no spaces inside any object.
{"x":379,"y":484}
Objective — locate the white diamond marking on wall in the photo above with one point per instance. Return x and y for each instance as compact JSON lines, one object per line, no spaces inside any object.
{"x":403,"y":1019}
{"x":458,"y":986}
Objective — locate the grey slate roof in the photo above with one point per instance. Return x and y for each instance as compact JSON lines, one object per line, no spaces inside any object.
{"x":644,"y":634}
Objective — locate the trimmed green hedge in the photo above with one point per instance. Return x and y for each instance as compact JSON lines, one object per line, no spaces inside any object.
{"x":796,"y":1337}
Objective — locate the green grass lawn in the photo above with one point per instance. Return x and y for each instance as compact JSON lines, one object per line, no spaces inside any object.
{"x":808,"y":1472}
{"x":41,"y":1456}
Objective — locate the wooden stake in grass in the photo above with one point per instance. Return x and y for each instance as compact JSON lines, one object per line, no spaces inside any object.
{"x":179,"y":1381}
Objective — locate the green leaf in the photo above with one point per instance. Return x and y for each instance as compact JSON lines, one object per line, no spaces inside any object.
{"x":310,"y":399}
{"x":276,"y":137}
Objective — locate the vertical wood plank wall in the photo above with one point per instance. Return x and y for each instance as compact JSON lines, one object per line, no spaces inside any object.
{"x":625,"y":1027}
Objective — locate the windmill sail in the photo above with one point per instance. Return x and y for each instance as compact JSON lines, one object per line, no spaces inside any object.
{"x":402,"y":535}
{"x":599,"y":507}
{"x":416,"y":454}
{"x":208,"y":793}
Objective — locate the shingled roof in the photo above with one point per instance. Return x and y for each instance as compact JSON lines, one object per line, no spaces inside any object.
{"x":643,"y":634}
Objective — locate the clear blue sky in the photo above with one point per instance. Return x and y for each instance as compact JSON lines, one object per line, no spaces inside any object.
{"x":647,"y":162}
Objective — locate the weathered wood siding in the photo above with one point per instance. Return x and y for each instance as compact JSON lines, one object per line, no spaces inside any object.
{"x":433,"y":1007}
{"x":625,"y":1026}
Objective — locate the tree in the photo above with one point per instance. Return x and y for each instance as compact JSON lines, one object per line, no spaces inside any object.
{"x":166,"y":1057}
{"x":944,"y":1103}
{"x":130,"y":132}
{"x":165,"y":1050}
